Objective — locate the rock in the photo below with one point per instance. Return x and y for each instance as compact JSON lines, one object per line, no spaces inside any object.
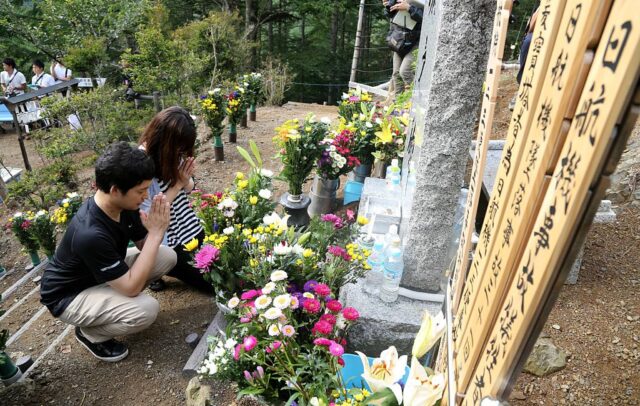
{"x":198,"y":394}
{"x":517,"y":395}
{"x":545,"y":359}
{"x":192,"y":340}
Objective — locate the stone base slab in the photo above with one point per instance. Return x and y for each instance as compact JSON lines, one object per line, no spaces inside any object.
{"x":383,"y":324}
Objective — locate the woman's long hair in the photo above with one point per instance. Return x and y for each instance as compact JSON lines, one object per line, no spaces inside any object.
{"x":169,"y":138}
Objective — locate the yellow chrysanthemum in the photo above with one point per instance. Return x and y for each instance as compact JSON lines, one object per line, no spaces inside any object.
{"x":191,"y":245}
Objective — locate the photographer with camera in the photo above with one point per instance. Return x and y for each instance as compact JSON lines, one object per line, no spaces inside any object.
{"x":404,"y":35}
{"x":13,"y":82}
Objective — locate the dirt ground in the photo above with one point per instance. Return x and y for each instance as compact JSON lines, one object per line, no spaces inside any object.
{"x":597,"y":320}
{"x":152,"y":373}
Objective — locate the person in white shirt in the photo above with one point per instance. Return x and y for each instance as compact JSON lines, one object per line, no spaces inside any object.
{"x":59,"y":71}
{"x":40,"y":79}
{"x":13,"y":82}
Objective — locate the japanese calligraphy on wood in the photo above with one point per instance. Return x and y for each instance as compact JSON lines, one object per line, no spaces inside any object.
{"x":605,"y":96}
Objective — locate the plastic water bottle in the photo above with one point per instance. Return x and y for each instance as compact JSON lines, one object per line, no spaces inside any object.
{"x":390,"y":235}
{"x":393,"y":176}
{"x":376,"y":262}
{"x":393,"y":268}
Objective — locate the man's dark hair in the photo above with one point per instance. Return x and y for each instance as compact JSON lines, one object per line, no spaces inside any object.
{"x":123,"y":166}
{"x":10,"y":62}
{"x":38,"y":63}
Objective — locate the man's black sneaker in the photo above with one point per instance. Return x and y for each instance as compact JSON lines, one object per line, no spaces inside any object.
{"x":110,"y":350}
{"x":157,"y":286}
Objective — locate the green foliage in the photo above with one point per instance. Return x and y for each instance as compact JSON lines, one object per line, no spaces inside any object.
{"x":522,"y":11}
{"x":40,"y":188}
{"x":89,"y":57}
{"x":44,"y":231}
{"x":105,"y":118}
{"x":211,"y":51}
{"x":49,"y":27}
{"x":155,"y":65}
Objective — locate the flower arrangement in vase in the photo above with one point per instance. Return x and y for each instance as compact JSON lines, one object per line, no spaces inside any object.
{"x":390,"y":139}
{"x":67,"y":209}
{"x":253,"y":84}
{"x":299,"y":147}
{"x":21,"y":224}
{"x":353,"y":102}
{"x":213,"y":109}
{"x":236,"y":109}
{"x":44,"y":231}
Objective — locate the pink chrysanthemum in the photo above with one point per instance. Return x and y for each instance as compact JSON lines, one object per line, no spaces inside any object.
{"x":311,"y":306}
{"x":322,"y":289}
{"x":329,"y":318}
{"x":207,"y":255}
{"x":322,"y":327}
{"x":336,"y":349}
{"x":334,"y":306}
{"x":249,"y":343}
{"x":350,"y":313}
{"x":322,"y":341}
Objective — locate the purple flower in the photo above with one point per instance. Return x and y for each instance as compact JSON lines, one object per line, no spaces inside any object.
{"x":310,"y":285}
{"x":248,"y":376}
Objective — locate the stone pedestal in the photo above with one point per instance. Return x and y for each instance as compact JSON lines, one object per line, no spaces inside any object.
{"x":383,"y":324}
{"x":452,"y":61}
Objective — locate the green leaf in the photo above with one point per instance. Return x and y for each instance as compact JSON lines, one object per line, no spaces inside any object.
{"x":246,"y":156}
{"x":382,"y":398}
{"x":256,"y":152}
{"x":292,"y":398}
{"x":252,"y":390}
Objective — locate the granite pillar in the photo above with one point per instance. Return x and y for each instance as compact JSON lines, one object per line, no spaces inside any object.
{"x":452,"y":63}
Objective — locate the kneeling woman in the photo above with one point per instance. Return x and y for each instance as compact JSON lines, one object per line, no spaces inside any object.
{"x":169,"y":140}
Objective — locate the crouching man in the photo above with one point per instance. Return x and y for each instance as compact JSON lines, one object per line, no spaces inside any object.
{"x":94,"y":281}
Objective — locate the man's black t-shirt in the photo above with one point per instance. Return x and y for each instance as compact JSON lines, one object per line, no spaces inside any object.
{"x":92,"y":252}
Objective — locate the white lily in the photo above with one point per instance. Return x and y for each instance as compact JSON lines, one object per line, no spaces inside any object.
{"x":422,"y":389}
{"x":265,"y":193}
{"x":274,"y":218}
{"x":385,"y":372}
{"x":430,"y":332}
{"x":266,"y":172}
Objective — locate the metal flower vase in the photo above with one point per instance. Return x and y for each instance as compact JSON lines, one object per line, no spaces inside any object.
{"x":323,"y":196}
{"x":233,"y":132}
{"x":35,"y":258}
{"x":9,"y":372}
{"x":379,"y":169}
{"x":218,"y":148}
{"x":361,"y":172}
{"x":296,"y":207}
{"x":252,"y":112}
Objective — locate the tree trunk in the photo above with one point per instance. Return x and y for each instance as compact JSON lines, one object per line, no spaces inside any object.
{"x":334,"y":51}
{"x":251,"y":29}
{"x":302,"y":47}
{"x":270,"y":28}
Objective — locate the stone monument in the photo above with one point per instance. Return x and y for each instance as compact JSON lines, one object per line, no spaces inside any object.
{"x":452,"y":61}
